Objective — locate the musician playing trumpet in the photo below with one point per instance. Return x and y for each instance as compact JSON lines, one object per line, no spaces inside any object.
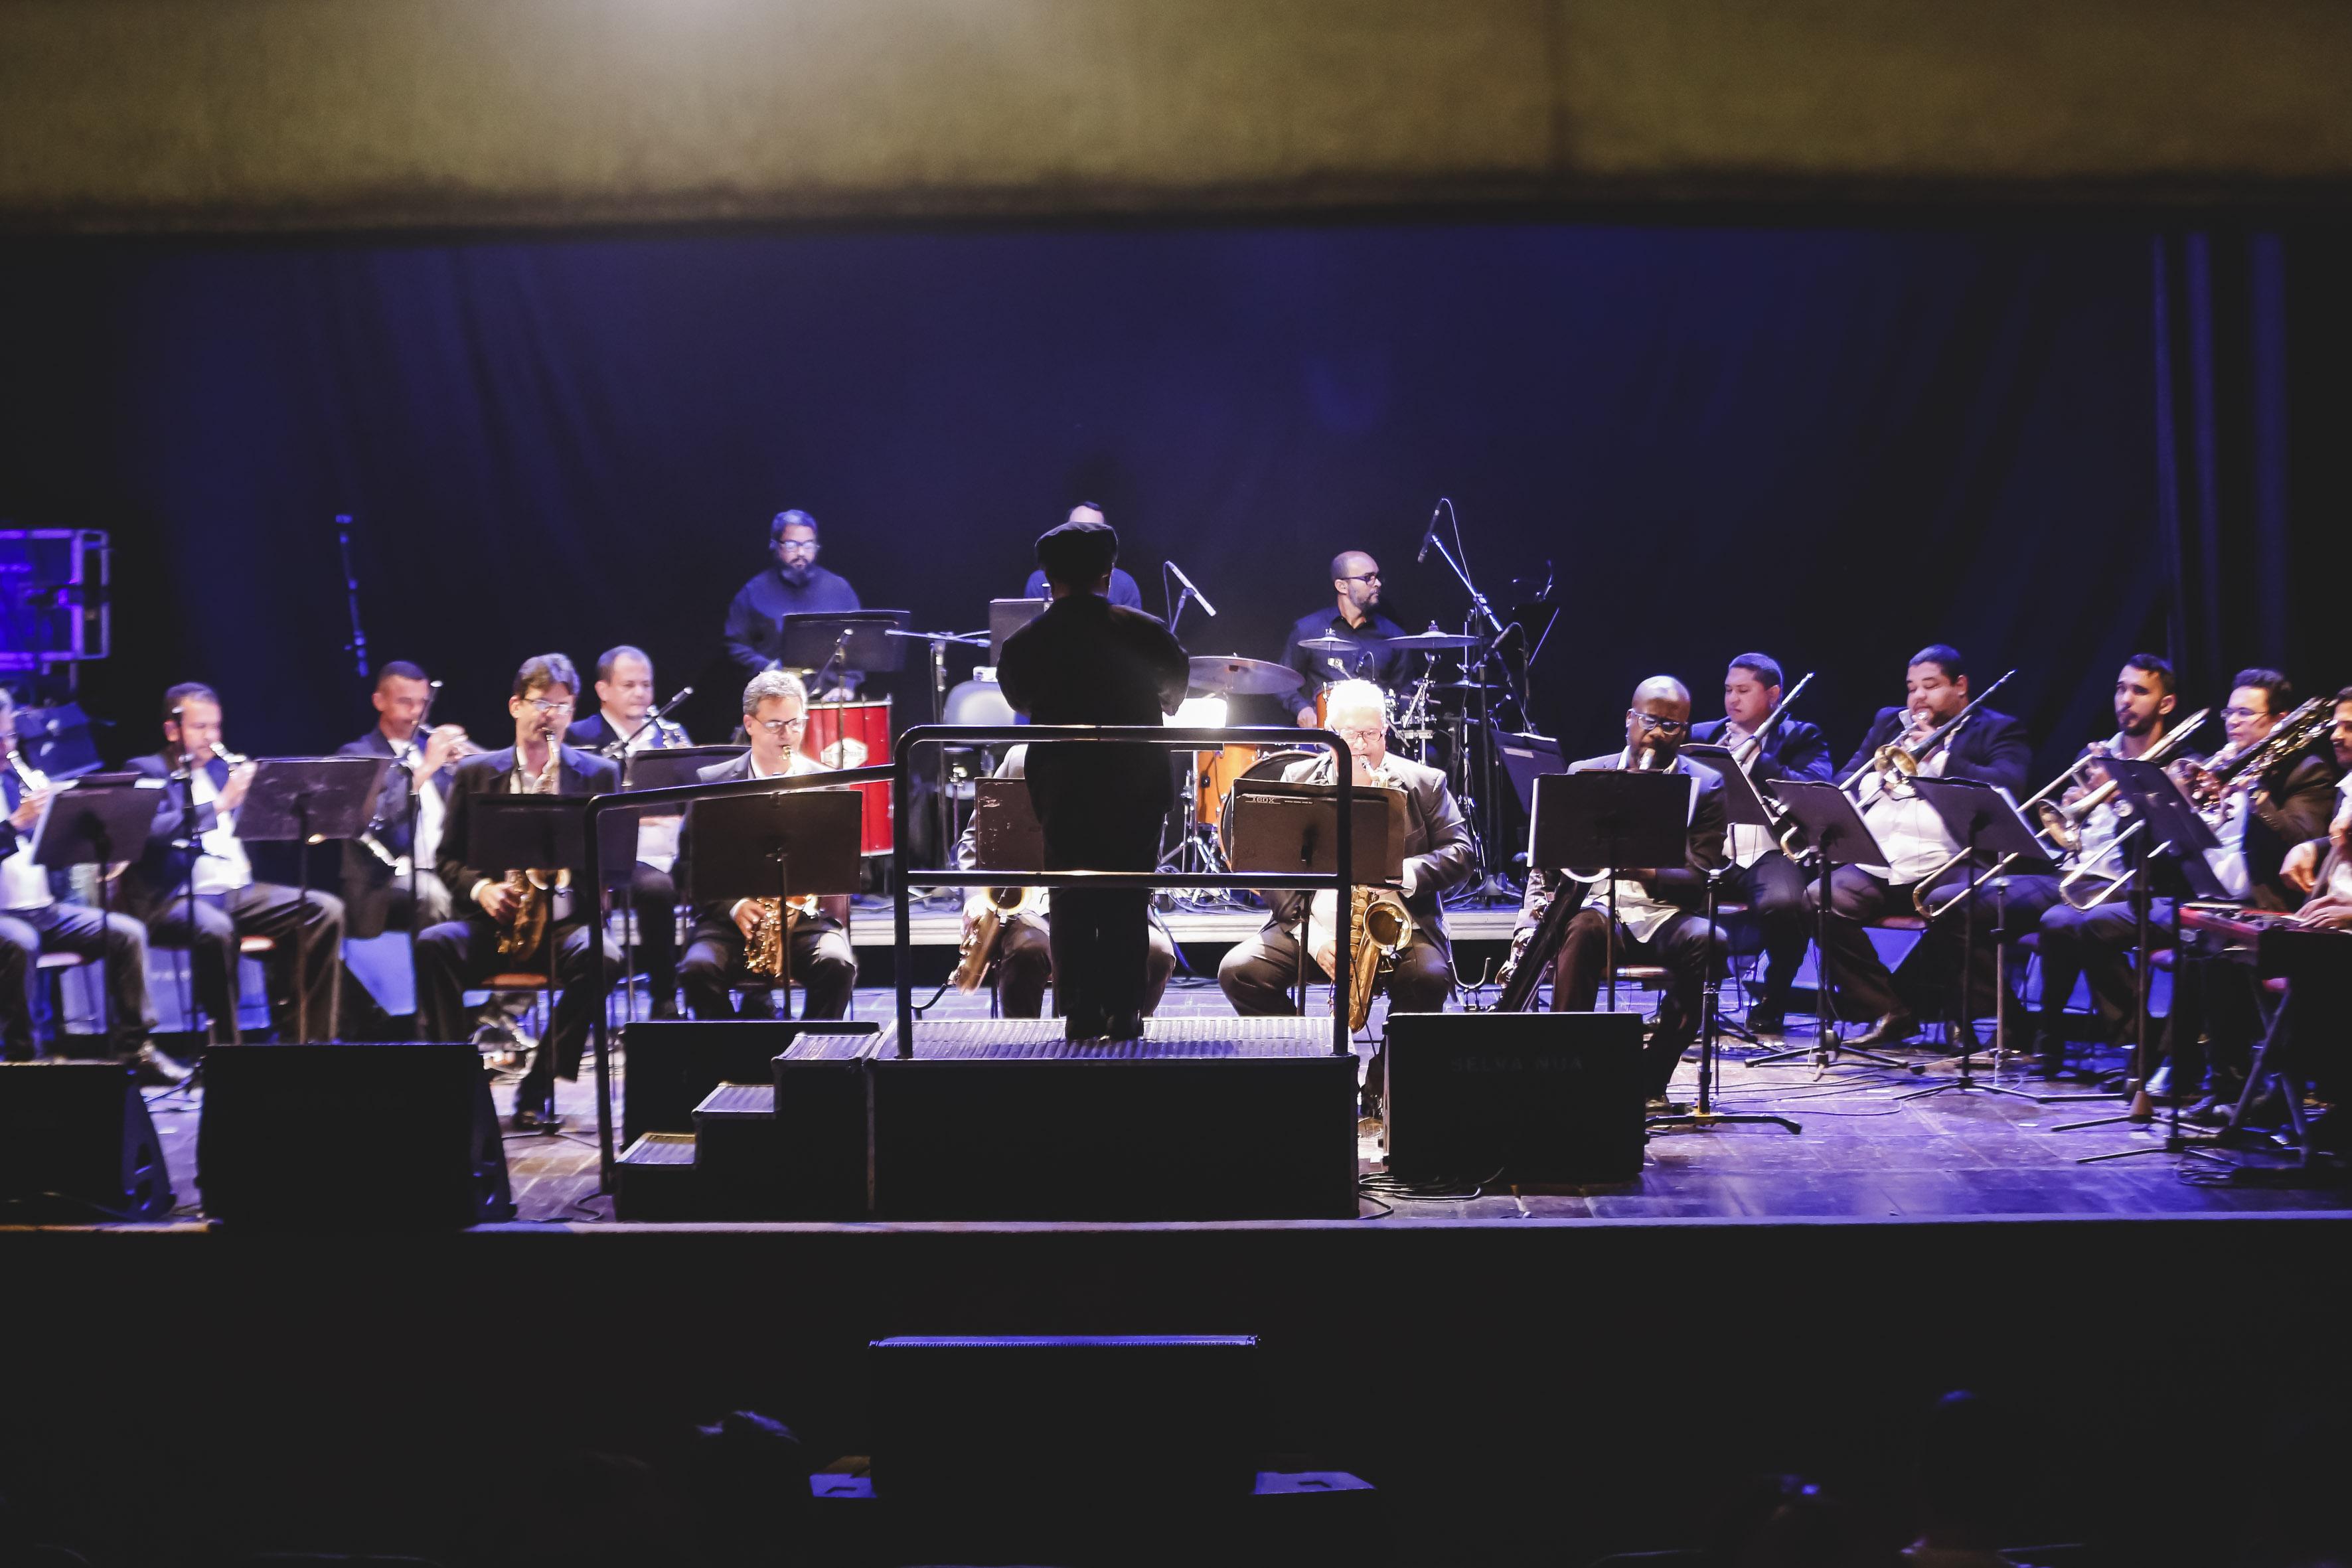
{"x":511,"y":927}
{"x":1990,"y":747}
{"x":775,"y":712}
{"x":410,"y":808}
{"x":1659,"y":916}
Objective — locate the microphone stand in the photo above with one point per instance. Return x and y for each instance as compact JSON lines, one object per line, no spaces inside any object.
{"x":1483,"y":623}
{"x":618,"y":750}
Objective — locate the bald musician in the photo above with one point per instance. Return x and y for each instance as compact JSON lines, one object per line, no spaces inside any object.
{"x":1355,"y":617}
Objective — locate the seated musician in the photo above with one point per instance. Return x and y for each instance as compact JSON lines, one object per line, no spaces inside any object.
{"x":2095,"y":944}
{"x":2329,"y":905}
{"x":774,"y":713}
{"x":34,"y":920}
{"x":1257,"y":972}
{"x":228,"y":903}
{"x":462,"y":952}
{"x":1123,"y":591}
{"x":622,"y":725}
{"x":1764,"y":878}
{"x":410,"y":809}
{"x":1024,"y":958}
{"x":1356,"y":587}
{"x":1661,"y":913}
{"x":1990,"y":747}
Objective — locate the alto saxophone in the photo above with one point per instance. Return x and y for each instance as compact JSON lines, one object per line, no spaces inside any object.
{"x":763,"y":949}
{"x":525,"y":925}
{"x":998,"y":905}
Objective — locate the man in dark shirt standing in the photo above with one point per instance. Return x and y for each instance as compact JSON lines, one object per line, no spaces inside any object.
{"x":1099,"y":805}
{"x":795,"y":585}
{"x":1356,"y":585}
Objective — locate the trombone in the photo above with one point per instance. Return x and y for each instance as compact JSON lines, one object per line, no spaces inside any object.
{"x":1894,"y":763}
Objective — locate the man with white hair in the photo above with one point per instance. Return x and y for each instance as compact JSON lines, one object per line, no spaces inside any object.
{"x":1257,"y":972}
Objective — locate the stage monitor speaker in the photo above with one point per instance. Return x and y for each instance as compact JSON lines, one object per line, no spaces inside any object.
{"x":1538,"y":1096}
{"x":396,"y":1135}
{"x":77,"y":1144}
{"x":675,"y":1063}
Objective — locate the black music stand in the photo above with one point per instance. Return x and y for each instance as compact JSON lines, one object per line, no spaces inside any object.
{"x":1005,"y":833}
{"x":777,"y":846}
{"x":300,"y":801}
{"x":1006,"y":616}
{"x":1742,"y":807}
{"x":1839,"y":838}
{"x":1988,"y":824}
{"x":86,"y":823}
{"x":534,"y":833}
{"x":654,"y":767}
{"x":2165,"y":827}
{"x":1294,"y":828}
{"x":1609,"y":817}
{"x":854,"y":640}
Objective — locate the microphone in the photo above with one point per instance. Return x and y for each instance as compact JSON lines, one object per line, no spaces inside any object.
{"x":1190,"y":589}
{"x":1428,"y":536}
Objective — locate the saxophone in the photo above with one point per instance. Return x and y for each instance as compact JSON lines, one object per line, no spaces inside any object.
{"x":1383,"y":928}
{"x":997,"y":905}
{"x":771,"y":921}
{"x":1533,"y":945}
{"x":525,"y":925}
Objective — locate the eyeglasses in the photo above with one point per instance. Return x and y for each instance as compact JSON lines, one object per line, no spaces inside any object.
{"x":779,"y":726}
{"x":1652,"y":721}
{"x":1361,"y":733}
{"x":797,"y":546}
{"x":2245,"y":712}
{"x":1363,"y":577}
{"x":548,"y":705}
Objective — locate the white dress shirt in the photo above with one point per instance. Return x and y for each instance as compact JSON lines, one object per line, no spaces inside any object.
{"x":1641,"y":914}
{"x":1744,"y":841}
{"x":23,"y":885}
{"x":221,"y":867}
{"x":1907,"y":829}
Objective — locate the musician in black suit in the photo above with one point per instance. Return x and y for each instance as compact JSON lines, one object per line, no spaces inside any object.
{"x":1763,"y":876}
{"x":1661,"y":910}
{"x":1990,"y":747}
{"x":1256,"y":973}
{"x":229,"y":904}
{"x":622,"y":726}
{"x":1100,"y":806}
{"x":410,"y":809}
{"x":1353,"y":616}
{"x":1023,"y":960}
{"x":461,"y":953}
{"x":775,"y":707}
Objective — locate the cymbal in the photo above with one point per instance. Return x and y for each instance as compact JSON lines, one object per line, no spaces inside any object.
{"x":1238,"y":677}
{"x":1463,"y":685}
{"x":1431,"y":642}
{"x":1344,"y":644}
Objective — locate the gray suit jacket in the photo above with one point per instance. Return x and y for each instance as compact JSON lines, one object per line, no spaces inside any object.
{"x":1436,"y":840}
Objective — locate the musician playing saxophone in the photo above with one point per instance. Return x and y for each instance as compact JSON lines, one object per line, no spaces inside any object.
{"x":1022,"y":961}
{"x":820,"y":960}
{"x":1659,"y":916}
{"x":1990,"y":747}
{"x":1256,"y":973}
{"x":461,"y":954}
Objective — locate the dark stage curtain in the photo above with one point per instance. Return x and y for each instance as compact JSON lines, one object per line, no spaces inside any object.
{"x":1832,"y":446}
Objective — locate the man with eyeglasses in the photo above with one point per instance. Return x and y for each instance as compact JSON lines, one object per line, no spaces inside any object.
{"x":795,"y":585}
{"x":1991,"y":748}
{"x":462,"y":952}
{"x":1661,"y":916}
{"x":775,"y":707}
{"x":1356,"y":590}
{"x":623,"y":722}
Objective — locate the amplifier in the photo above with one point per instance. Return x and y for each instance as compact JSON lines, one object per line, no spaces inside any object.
{"x":1540,"y":1097}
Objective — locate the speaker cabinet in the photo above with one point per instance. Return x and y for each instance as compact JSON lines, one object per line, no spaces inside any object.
{"x":77,"y":1144}
{"x":1540,"y":1097}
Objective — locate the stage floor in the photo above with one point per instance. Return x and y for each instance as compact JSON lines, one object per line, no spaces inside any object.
{"x":1863,"y":1153}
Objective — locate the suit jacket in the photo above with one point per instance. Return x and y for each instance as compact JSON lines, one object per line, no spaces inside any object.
{"x":578,"y":775}
{"x":366,"y":880}
{"x":1437,"y":841}
{"x":1794,"y":749}
{"x":1991,"y":747}
{"x":2294,"y":801}
{"x":714,"y":920}
{"x":595,"y":732}
{"x":161,"y":870}
{"x":1683,"y":886}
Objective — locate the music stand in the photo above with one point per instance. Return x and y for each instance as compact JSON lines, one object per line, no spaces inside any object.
{"x":1839,"y":838}
{"x":1610,"y":818}
{"x":1988,"y":823}
{"x":1006,"y":832}
{"x":777,"y":846}
{"x":1006,"y":616}
{"x":1744,"y":807}
{"x":302,"y":800}
{"x":86,"y":823}
{"x":856,"y":639}
{"x":1279,"y":827}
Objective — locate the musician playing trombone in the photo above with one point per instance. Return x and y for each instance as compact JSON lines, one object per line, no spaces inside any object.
{"x":2095,"y":944}
{"x":1921,"y":736}
{"x":1763,"y":877}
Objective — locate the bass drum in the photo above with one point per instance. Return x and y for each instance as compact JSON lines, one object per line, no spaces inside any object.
{"x":856,"y":735}
{"x":1268,"y":765}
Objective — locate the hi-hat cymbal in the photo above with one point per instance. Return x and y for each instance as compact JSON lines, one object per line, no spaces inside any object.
{"x":1431,"y":642}
{"x":1343,"y":645}
{"x":1238,"y":677}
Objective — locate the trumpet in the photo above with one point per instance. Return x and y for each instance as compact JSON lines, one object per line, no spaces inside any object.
{"x":1897,"y":760}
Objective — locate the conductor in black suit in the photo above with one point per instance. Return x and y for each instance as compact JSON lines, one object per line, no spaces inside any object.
{"x":1763,"y":876}
{"x":464,"y":951}
{"x":1100,"y":806}
{"x":1991,"y":748}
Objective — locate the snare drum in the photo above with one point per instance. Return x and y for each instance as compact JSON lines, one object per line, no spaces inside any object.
{"x":856,"y":735}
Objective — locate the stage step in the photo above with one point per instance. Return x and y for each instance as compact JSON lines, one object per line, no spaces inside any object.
{"x":656,"y":1179}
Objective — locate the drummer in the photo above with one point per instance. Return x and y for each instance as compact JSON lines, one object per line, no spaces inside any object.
{"x":1123,"y":590}
{"x":1356,"y":587}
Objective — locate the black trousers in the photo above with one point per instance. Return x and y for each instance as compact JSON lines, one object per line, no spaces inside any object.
{"x":117,"y":940}
{"x":1773,"y":889}
{"x":456,"y":954}
{"x":653,"y":902}
{"x":1024,"y":967}
{"x":823,"y":965}
{"x":2214,"y":1021}
{"x":281,"y":914}
{"x":1257,"y":973}
{"x":1863,"y":986}
{"x":1685,"y":946}
{"x":1100,"y":808}
{"x":2094,"y":946}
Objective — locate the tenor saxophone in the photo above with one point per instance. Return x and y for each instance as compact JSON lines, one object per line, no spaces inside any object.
{"x":998,"y":905}
{"x":1383,"y":928}
{"x":525,"y":925}
{"x":771,"y":922}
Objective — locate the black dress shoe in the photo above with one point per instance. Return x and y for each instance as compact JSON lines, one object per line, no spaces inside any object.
{"x":1082,"y":1027}
{"x":1889,"y":1030}
{"x":1767,"y":1019}
{"x":154,"y":1067}
{"x":2049,"y":1054}
{"x":1125,"y":1026}
{"x":536,"y":1119}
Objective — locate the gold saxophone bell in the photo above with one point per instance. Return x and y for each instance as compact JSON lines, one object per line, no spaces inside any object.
{"x":763,"y":949}
{"x":1383,"y":928}
{"x":998,"y":905}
